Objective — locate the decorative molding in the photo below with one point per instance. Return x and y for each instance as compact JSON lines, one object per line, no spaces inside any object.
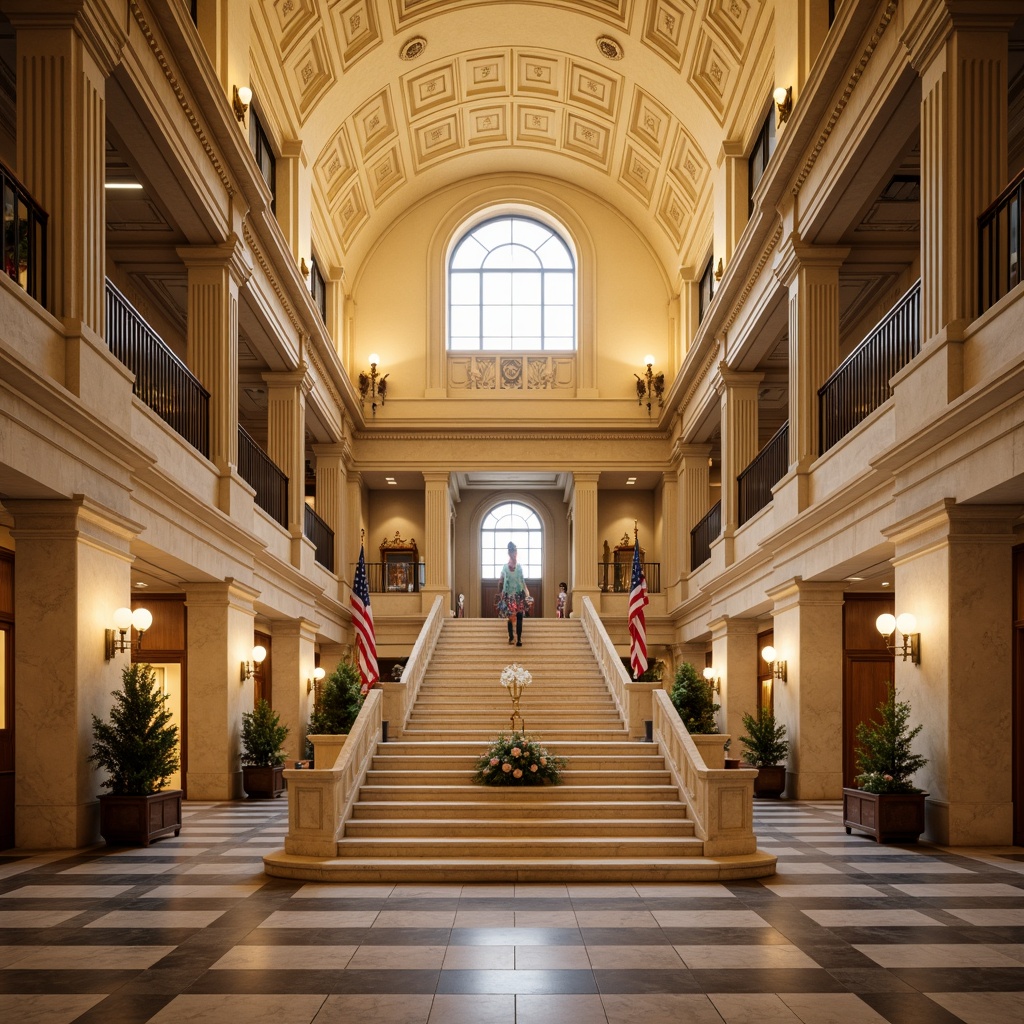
{"x":511,"y":373}
{"x":172,"y":80}
{"x":753,"y":276}
{"x":391,"y":434}
{"x":710,"y":362}
{"x":268,"y":271}
{"x":844,"y":99}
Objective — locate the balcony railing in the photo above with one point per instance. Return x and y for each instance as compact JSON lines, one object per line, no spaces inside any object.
{"x":394,"y":577}
{"x":615,"y":577}
{"x":258,"y":470}
{"x":703,"y":534}
{"x":322,"y":537}
{"x":162,"y":380}
{"x":767,"y":469}
{"x":999,"y":245}
{"x":24,"y":237}
{"x":861,"y":382}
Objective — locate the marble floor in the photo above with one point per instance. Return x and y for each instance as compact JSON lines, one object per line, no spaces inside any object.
{"x":191,"y":930}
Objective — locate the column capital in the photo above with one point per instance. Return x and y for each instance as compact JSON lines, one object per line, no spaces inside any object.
{"x":92,"y":22}
{"x":798,"y":591}
{"x":794,"y":255}
{"x":728,"y":625}
{"x":729,"y":378}
{"x":684,"y":450}
{"x":731,"y":150}
{"x":297,"y":378}
{"x":230,"y":591}
{"x":231,"y":254}
{"x":931,"y":25}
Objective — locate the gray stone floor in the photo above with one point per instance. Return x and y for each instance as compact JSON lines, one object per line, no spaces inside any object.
{"x":192,"y":930}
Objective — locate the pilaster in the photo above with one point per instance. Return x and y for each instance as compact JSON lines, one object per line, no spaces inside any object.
{"x":730,"y":197}
{"x":294,"y":661}
{"x":331,"y":498}
{"x":586,"y":547}
{"x":738,"y":394}
{"x":438,"y":547}
{"x":695,"y":493}
{"x":293,"y":199}
{"x":734,"y":659}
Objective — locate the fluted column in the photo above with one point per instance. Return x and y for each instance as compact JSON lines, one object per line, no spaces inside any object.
{"x":215,"y":274}
{"x":695,"y":493}
{"x":292,"y":199}
{"x":437,"y":549}
{"x":65,"y":53}
{"x":586,"y":546}
{"x":811,"y":273}
{"x":286,"y":441}
{"x":331,"y":498}
{"x":294,"y":661}
{"x":731,"y":201}
{"x":734,"y":659}
{"x":670,"y":539}
{"x":961,"y":54}
{"x":738,"y":394}
{"x":354,"y":526}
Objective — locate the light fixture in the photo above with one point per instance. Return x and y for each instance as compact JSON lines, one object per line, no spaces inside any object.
{"x":650,"y":386}
{"x":777,"y":664}
{"x":122,"y":186}
{"x":372,"y":385}
{"x":303,"y":266}
{"x":906,"y":626}
{"x":241,"y":100}
{"x":713,"y":680}
{"x":783,"y":96}
{"x":318,"y":674}
{"x":117,"y":639}
{"x":719,"y":270}
{"x":259,"y":653}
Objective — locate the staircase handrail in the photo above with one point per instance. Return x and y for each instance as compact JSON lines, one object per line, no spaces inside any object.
{"x":320,"y":800}
{"x":632,"y":698}
{"x":400,"y":694}
{"x":720,"y":800}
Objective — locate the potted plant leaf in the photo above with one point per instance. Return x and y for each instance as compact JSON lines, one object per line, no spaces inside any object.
{"x":886,"y":804}
{"x":138,"y":748}
{"x":694,"y":699}
{"x":334,"y":713}
{"x":765,"y":746}
{"x":262,"y":753}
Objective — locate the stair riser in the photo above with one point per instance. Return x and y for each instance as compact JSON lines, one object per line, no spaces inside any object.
{"x":438,"y":780}
{"x":514,"y":830}
{"x":611,"y":812}
{"x":535,"y":794}
{"x":525,"y":849}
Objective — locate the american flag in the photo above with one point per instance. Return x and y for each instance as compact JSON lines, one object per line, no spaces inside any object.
{"x":637,"y":627}
{"x":362,"y":619}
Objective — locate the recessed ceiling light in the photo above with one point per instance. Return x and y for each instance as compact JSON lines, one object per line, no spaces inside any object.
{"x":391,"y":481}
{"x":885,"y":583}
{"x":854,"y":579}
{"x":139,"y":585}
{"x":630,"y":480}
{"x":133,"y":186}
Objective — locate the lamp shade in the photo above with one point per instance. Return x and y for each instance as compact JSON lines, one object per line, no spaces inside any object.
{"x":142,"y":619}
{"x":374,"y":359}
{"x":123,"y":619}
{"x":318,"y":673}
{"x":906,"y":623}
{"x":779,"y":95}
{"x":709,"y":673}
{"x":768,"y":653}
{"x":244,"y":95}
{"x":259,"y":653}
{"x":885,"y":624}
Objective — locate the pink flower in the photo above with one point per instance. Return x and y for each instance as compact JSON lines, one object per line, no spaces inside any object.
{"x":518,"y":773}
{"x":544,"y":761}
{"x":516,"y":752}
{"x":493,"y":761}
{"x":533,"y":767}
{"x":506,"y":767}
{"x":888,"y":778}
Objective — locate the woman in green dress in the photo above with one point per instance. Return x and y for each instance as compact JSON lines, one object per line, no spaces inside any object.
{"x":514,"y":596}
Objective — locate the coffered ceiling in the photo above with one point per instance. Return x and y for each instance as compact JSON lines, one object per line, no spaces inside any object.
{"x":629,"y":99}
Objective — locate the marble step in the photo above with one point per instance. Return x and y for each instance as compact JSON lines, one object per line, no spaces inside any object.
{"x":578,"y":762}
{"x":623,"y":748}
{"x":567,"y":810}
{"x":549,"y":737}
{"x":515,"y":828}
{"x":456,"y":777}
{"x":469,"y":792}
{"x":526,"y":847}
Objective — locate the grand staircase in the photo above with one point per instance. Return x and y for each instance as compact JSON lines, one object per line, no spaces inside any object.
{"x":618,"y":815}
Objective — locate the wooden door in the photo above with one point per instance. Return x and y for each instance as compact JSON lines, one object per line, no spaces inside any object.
{"x":868,"y":670}
{"x":1017,"y":740}
{"x":6,"y":700}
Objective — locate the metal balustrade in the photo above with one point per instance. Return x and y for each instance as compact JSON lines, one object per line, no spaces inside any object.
{"x":24,"y":242}
{"x":703,"y":534}
{"x":322,"y":536}
{"x":999,"y":245}
{"x":258,"y":470}
{"x":162,"y":380}
{"x":764,"y":472}
{"x":394,"y":577}
{"x":860,"y":384}
{"x":615,"y":577}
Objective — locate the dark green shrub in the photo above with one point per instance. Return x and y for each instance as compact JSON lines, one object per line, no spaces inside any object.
{"x":765,"y":743}
{"x":694,"y":699}
{"x":340,"y":700}
{"x":262,"y":737}
{"x":884,"y":759}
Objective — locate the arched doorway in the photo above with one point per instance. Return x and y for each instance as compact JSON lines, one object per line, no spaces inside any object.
{"x":516,"y":522}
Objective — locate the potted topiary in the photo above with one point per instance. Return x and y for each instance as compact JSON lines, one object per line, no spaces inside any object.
{"x":262,"y":753}
{"x":138,"y":748}
{"x":887,"y":805}
{"x":694,"y":699}
{"x":334,"y":713}
{"x":765,"y":745}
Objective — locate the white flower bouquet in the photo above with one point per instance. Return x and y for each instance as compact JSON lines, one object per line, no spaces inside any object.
{"x":516,"y":676}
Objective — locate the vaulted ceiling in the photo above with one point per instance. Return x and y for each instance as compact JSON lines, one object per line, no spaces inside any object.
{"x":631,"y":100}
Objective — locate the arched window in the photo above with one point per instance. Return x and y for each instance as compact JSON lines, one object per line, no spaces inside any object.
{"x":511,"y":287}
{"x":506,"y":522}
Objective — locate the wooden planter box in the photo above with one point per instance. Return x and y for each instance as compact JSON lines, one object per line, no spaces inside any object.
{"x":138,"y":820}
{"x":770,"y":781}
{"x":889,"y":817}
{"x":263,"y":783}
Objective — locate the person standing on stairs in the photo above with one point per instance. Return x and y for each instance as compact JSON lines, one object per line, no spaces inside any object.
{"x":515,"y":596}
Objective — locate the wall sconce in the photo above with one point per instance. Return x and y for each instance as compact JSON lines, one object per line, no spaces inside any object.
{"x":371,"y":385}
{"x":783,"y":96}
{"x":713,"y":680}
{"x":303,"y":266}
{"x":650,"y":386}
{"x":241,"y":100}
{"x":906,"y":626}
{"x":778,"y":666}
{"x":117,"y":639}
{"x":259,"y":653}
{"x":719,"y":270}
{"x":318,"y":674}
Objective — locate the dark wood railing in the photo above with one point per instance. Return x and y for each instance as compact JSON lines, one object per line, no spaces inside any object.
{"x":24,"y":236}
{"x":767,"y":469}
{"x":615,"y":577}
{"x":322,"y":537}
{"x":257,"y":469}
{"x":162,"y":380}
{"x":999,"y":245}
{"x":861,"y":382}
{"x":393,"y":577}
{"x":703,"y":534}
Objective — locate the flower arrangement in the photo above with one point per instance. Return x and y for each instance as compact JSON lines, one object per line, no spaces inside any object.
{"x":884,"y":754}
{"x":516,"y":760}
{"x":515,"y":676}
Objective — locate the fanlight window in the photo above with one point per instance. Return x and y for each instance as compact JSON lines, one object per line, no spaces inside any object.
{"x":512,"y":287}
{"x":511,"y":521}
